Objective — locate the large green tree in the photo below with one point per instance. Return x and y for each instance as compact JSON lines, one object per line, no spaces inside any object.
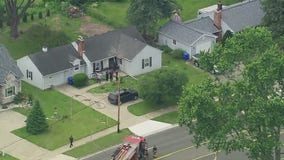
{"x":16,"y":9}
{"x":145,"y":14}
{"x":36,"y":121}
{"x":243,"y":48}
{"x":162,"y":85}
{"x":274,"y":16}
{"x":244,"y":115}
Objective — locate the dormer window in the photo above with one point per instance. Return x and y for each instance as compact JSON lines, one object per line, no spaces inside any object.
{"x":76,"y":67}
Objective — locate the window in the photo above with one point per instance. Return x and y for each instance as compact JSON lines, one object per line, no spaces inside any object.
{"x":76,"y":67}
{"x":147,"y":62}
{"x":10,"y":91}
{"x":120,"y":60}
{"x":29,"y":75}
{"x":174,"y":42}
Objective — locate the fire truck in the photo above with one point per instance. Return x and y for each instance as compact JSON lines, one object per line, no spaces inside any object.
{"x":133,"y":148}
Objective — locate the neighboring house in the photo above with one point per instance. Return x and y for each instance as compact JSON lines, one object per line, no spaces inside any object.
{"x":10,"y":77}
{"x":191,"y":36}
{"x":236,"y":17}
{"x":202,"y":33}
{"x":124,"y":49}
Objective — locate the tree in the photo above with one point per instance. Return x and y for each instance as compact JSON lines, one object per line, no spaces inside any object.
{"x":16,"y":10}
{"x":243,"y":47}
{"x":244,"y":115}
{"x":274,"y":16}
{"x":145,"y":14}
{"x":162,"y":85}
{"x":36,"y":122}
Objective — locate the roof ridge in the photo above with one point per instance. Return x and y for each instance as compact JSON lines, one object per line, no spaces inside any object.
{"x":238,"y":4}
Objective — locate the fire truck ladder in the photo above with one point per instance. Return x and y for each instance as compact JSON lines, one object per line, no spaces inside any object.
{"x":122,"y":152}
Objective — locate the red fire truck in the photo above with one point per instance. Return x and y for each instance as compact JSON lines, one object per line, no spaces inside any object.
{"x":133,"y":148}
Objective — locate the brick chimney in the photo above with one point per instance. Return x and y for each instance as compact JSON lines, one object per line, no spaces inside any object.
{"x":218,"y":19}
{"x":81,"y":45}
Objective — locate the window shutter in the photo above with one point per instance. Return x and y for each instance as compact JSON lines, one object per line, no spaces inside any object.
{"x":150,"y":61}
{"x":142,"y":63}
{"x":27,"y":74}
{"x":31,"y":75}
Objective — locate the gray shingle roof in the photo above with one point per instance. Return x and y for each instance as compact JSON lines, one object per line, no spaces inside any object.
{"x":180,"y":32}
{"x":243,"y":14}
{"x":114,"y":43}
{"x":204,"y":24}
{"x":7,"y":65}
{"x":55,"y":59}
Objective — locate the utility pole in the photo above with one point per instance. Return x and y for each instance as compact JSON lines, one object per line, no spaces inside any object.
{"x":118,"y":104}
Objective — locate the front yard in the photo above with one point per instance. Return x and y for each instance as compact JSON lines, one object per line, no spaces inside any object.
{"x":65,"y":117}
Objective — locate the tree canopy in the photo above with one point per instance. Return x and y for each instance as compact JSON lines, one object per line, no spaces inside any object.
{"x":16,"y":9}
{"x":274,"y":16}
{"x":244,"y":115}
{"x":242,"y":47}
{"x":146,"y":14}
{"x":162,"y":85}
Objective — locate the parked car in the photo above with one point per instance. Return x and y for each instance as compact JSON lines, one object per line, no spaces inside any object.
{"x":125,"y":96}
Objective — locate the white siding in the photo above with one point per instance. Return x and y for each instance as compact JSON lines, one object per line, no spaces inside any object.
{"x":134,"y":67}
{"x":164,"y":40}
{"x":205,"y":43}
{"x":25,"y":64}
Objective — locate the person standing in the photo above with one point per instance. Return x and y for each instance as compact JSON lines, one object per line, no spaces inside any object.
{"x":71,"y":141}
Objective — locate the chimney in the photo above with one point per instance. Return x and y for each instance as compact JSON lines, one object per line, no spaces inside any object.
{"x":218,"y":19}
{"x":177,"y":18}
{"x":44,"y":49}
{"x":219,"y":6}
{"x":81,"y":45}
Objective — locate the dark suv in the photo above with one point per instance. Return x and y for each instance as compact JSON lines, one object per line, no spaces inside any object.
{"x":125,"y":96}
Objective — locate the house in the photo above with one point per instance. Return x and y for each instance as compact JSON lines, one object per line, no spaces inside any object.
{"x":236,"y":17}
{"x":10,"y":77}
{"x":124,"y":49}
{"x":191,"y":36}
{"x":201,"y":34}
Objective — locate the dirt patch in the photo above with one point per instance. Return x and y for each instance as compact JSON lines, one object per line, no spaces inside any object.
{"x":90,"y":29}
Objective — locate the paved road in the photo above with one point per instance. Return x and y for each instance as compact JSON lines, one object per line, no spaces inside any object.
{"x":175,"y":144}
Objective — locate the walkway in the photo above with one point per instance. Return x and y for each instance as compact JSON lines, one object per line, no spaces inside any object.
{"x":24,"y":150}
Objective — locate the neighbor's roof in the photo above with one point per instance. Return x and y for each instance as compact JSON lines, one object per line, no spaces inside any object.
{"x":55,"y":59}
{"x":244,"y":14}
{"x":114,"y":43}
{"x":181,"y":32}
{"x":205,"y":24}
{"x":7,"y":65}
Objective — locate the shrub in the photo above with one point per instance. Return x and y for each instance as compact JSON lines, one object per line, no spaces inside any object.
{"x":19,"y":98}
{"x":47,"y":13}
{"x":25,"y":18}
{"x":36,"y":121}
{"x":4,"y":106}
{"x":40,"y":15}
{"x":80,"y":80}
{"x":165,"y":49}
{"x":32,"y":17}
{"x":177,"y":54}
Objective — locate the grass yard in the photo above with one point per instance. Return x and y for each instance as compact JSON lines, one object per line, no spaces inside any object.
{"x":7,"y":157}
{"x":99,"y":144}
{"x":81,"y":120}
{"x":171,"y":117}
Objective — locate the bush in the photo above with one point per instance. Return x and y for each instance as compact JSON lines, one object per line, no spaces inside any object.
{"x":32,"y":17}
{"x":25,"y":18}
{"x":19,"y":98}
{"x":40,"y":15}
{"x":177,"y":54}
{"x":36,"y":121}
{"x":4,"y":106}
{"x":80,"y":80}
{"x":47,"y":13}
{"x":165,"y":49}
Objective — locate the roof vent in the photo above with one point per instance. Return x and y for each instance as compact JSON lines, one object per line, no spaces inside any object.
{"x":44,"y":49}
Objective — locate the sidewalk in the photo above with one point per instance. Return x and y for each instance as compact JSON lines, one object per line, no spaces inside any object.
{"x":25,"y":150}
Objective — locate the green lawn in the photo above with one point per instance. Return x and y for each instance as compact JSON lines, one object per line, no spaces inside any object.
{"x":99,"y":144}
{"x":6,"y":157}
{"x":171,"y":117}
{"x":81,"y":120}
